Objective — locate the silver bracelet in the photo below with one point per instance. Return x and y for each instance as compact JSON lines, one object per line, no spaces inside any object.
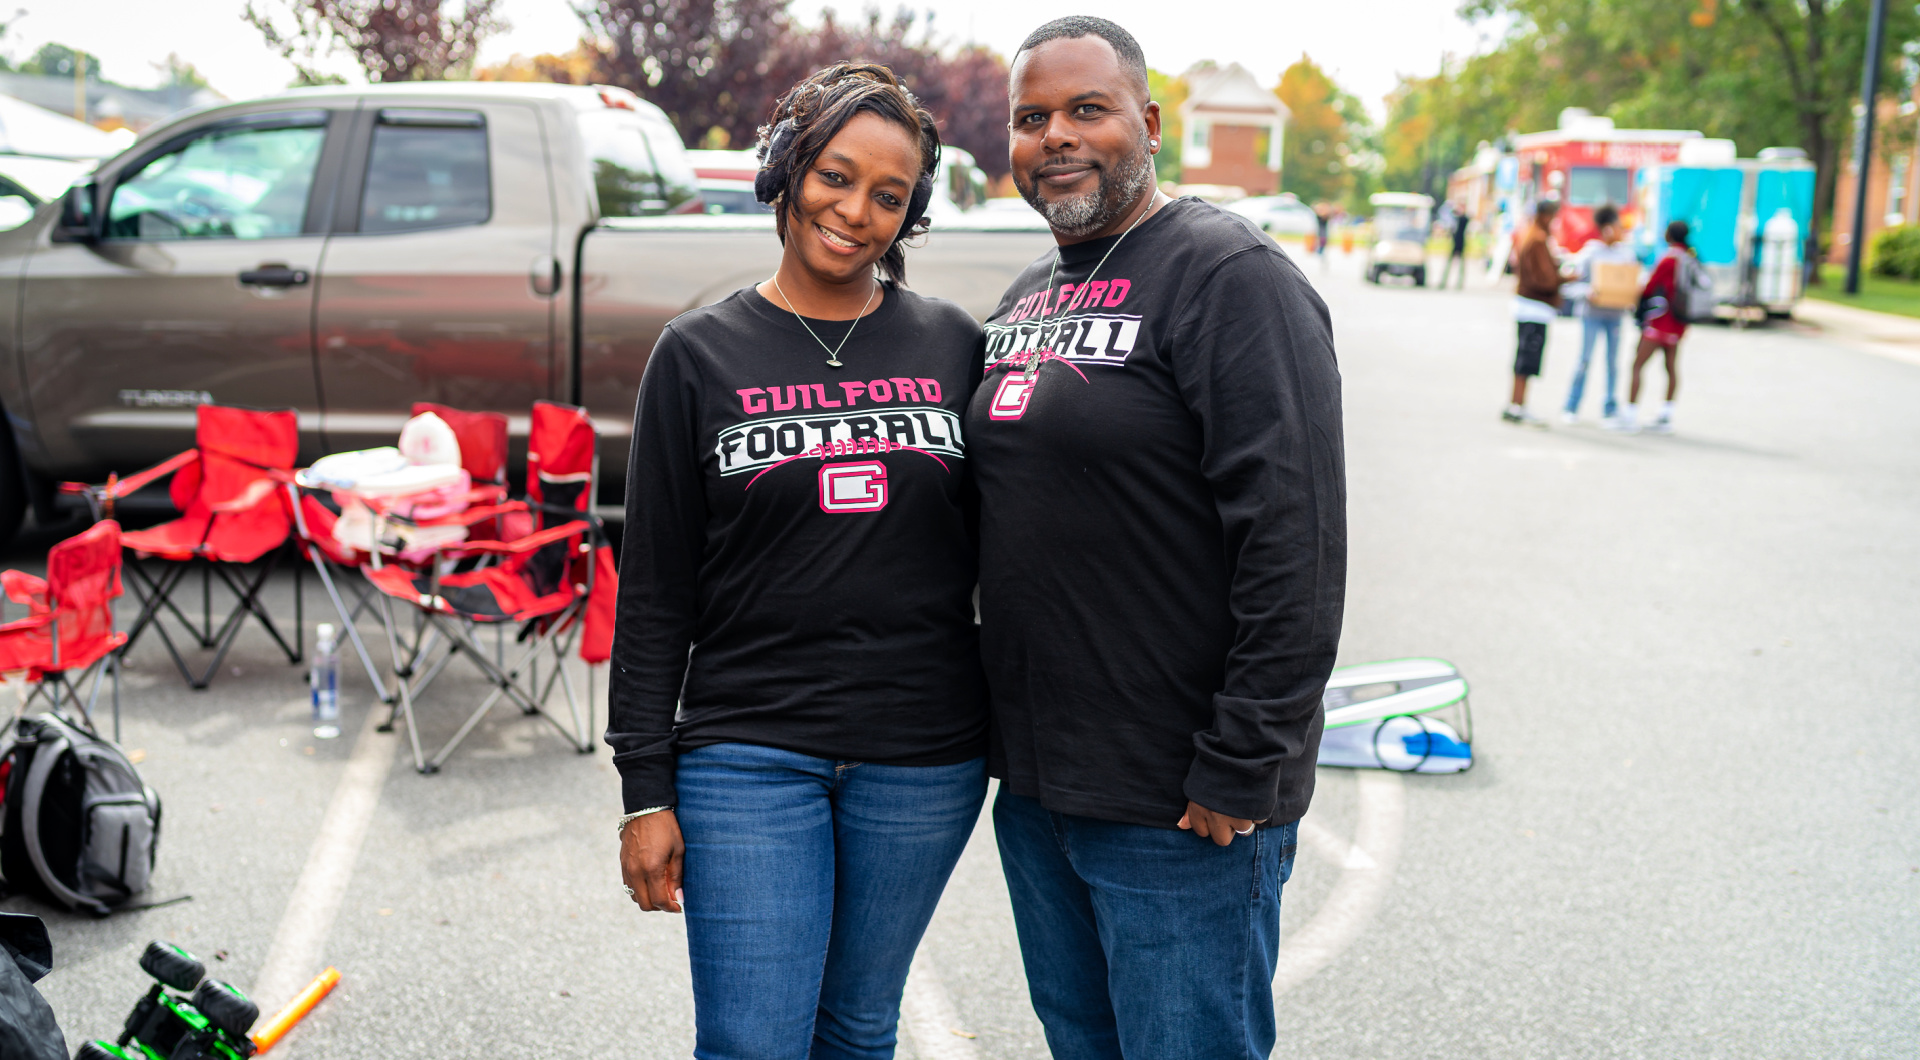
{"x":637,"y":814}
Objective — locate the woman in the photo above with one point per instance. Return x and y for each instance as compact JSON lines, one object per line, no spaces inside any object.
{"x":1609,"y":275}
{"x":1662,"y":329}
{"x":798,"y":714}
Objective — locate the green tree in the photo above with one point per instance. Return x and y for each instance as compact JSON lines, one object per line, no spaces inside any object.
{"x":1169,"y":90}
{"x":58,"y":60}
{"x":1313,"y":163}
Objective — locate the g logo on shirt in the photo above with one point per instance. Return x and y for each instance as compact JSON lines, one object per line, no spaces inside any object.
{"x":1010,"y":401}
{"x":857,"y":487}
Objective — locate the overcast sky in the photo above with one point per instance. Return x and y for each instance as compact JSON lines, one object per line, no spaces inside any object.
{"x":1366,"y":44}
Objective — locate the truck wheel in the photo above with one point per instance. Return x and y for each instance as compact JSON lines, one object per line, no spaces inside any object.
{"x":1420,"y":277}
{"x":1373,"y":274}
{"x":97,"y":1050}
{"x":172,"y":965}
{"x":227,"y":1007}
{"x":13,"y":486}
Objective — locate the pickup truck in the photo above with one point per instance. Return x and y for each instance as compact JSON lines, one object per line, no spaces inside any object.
{"x":348,"y":250}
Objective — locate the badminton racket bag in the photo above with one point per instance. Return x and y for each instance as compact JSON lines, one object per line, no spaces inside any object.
{"x":80,"y":826}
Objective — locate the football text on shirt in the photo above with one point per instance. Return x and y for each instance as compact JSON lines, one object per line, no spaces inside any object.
{"x":765,"y":440}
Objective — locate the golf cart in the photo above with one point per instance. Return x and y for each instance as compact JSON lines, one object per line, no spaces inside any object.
{"x":1401,"y":221}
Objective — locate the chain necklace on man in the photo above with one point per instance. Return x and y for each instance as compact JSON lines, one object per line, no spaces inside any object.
{"x":833,"y":352}
{"x":1032,"y":369}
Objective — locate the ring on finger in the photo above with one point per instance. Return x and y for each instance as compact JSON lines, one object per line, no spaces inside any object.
{"x":1248,"y":830}
{"x":627,"y":889}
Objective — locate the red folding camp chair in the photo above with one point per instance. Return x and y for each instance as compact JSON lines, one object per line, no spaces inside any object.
{"x":555,"y":584}
{"x":483,"y":455}
{"x":69,"y":634}
{"x":233,"y":514}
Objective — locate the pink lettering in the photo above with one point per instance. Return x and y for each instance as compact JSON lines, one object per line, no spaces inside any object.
{"x":820,"y":396}
{"x":1117,"y":293}
{"x":1094,"y":291}
{"x":905,"y":388}
{"x":777,"y":406}
{"x":1066,"y":302}
{"x":878,"y":390}
{"x":930,"y":387}
{"x":748,"y":402}
{"x":853,"y":390}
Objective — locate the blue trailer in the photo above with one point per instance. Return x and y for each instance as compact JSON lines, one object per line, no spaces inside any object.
{"x":1748,"y":221}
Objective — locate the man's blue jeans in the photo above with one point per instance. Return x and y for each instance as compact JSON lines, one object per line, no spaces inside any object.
{"x":1592,"y":327}
{"x":1145,"y":943}
{"x":808,"y":885}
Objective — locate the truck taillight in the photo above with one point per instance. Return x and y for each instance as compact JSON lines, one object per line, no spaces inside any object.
{"x":609,"y":98}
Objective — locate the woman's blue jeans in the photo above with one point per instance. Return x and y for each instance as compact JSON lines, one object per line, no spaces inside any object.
{"x":808,"y":885}
{"x":1592,"y":327}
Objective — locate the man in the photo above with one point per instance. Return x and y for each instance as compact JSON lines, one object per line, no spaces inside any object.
{"x":1157,"y":446}
{"x":1536,"y":302}
{"x":1458,"y":221}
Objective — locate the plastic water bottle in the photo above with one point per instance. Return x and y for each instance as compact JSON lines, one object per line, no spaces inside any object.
{"x":325,"y":682}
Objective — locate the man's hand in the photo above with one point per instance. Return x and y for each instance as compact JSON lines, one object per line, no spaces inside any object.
{"x":1215,"y":826}
{"x":651,"y":859}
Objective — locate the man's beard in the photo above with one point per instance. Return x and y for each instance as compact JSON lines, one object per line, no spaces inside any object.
{"x":1118,"y":190}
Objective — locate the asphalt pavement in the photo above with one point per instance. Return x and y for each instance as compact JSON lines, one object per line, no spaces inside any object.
{"x":1692,"y":829}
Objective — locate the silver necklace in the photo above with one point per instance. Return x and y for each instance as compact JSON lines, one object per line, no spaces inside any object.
{"x":1033,"y":365}
{"x":833,"y":352}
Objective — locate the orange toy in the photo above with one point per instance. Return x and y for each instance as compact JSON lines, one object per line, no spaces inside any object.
{"x":296,"y":1010}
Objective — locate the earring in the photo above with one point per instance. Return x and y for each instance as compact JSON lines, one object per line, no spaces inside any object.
{"x":1153,"y":143}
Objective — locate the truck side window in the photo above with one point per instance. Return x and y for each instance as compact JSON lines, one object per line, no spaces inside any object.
{"x":639,"y":168}
{"x":422,"y":175}
{"x":235,"y":183}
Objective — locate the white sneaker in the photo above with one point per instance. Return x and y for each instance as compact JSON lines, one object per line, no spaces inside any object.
{"x":1569,"y":418}
{"x":1662,"y":424}
{"x":1617,"y":422}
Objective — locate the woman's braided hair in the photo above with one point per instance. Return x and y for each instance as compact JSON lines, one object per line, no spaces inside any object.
{"x":810,"y":115}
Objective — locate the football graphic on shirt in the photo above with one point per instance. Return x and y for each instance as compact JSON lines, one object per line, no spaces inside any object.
{"x":858,"y":487}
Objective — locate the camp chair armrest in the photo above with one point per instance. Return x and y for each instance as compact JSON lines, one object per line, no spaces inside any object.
{"x":256,"y":491}
{"x":30,"y":622}
{"x":135,"y":482}
{"x":24,"y":588}
{"x":529,"y":543}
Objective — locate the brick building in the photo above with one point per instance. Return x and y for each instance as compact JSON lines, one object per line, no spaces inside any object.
{"x":1233,"y":130}
{"x":1893,"y":177}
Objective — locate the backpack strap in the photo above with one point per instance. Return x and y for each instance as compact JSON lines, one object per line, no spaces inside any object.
{"x":44,"y":758}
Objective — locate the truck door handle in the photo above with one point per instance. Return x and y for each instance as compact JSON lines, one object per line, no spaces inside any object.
{"x":544,"y":275}
{"x":274,"y":276}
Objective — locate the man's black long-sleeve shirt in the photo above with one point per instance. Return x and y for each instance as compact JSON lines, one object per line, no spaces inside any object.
{"x":1163,"y":524}
{"x":797,"y":568}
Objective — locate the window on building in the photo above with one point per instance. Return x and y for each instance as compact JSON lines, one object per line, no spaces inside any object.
{"x":1897,"y":189}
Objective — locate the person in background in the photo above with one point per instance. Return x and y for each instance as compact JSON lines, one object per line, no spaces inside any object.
{"x":1536,"y":302}
{"x":1323,"y":226}
{"x":1609,"y":279}
{"x":798,"y":712}
{"x":1661,"y":328}
{"x":1458,"y":221}
{"x":1162,"y":575}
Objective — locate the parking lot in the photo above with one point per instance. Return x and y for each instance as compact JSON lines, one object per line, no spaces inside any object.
{"x":1692,"y":829}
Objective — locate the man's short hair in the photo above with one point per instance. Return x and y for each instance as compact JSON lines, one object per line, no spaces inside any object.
{"x":1125,"y":48}
{"x":1604,"y":216}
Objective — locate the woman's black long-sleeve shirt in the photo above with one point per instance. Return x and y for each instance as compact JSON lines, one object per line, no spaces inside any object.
{"x":797,"y":569}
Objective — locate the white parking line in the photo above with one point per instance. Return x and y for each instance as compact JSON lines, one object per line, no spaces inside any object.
{"x":928,"y":1015}
{"x":1366,"y":870}
{"x":300,"y":942}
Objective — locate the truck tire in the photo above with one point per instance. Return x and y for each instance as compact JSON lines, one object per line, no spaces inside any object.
{"x":172,"y":965}
{"x":226,"y":1007}
{"x":13,"y":485}
{"x":98,"y":1050}
{"x":1420,"y":277}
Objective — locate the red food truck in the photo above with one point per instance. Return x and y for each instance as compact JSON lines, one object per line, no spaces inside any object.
{"x":1586,"y":163}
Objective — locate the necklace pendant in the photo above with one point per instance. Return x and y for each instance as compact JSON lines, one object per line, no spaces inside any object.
{"x":832,"y":360}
